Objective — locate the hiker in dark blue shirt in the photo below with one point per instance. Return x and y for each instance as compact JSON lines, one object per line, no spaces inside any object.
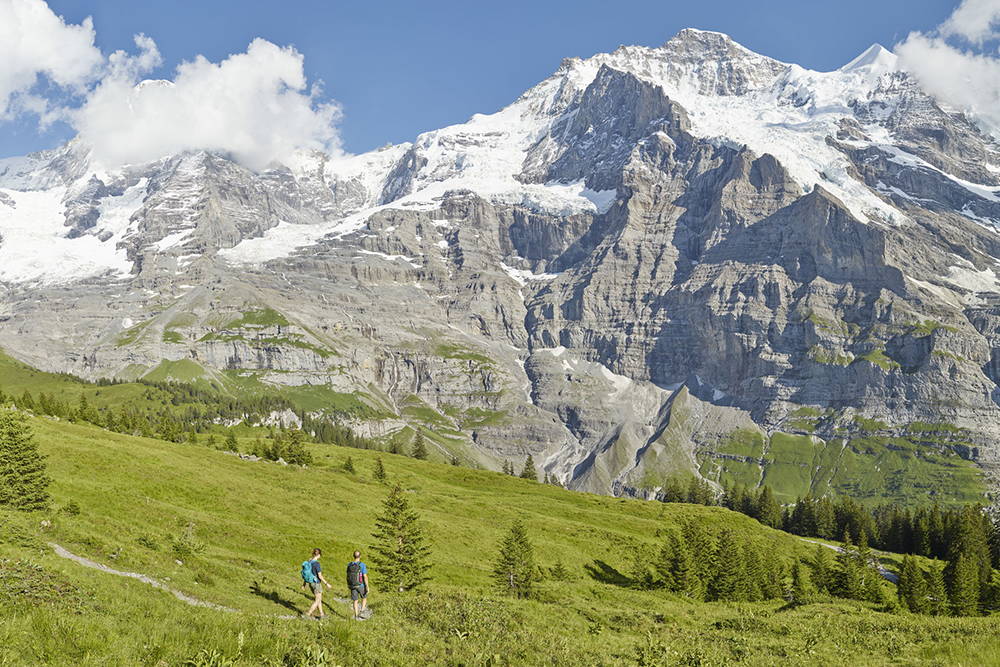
{"x":357,"y":583}
{"x":312,"y":576}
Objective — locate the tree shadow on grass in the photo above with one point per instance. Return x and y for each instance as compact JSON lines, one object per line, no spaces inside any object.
{"x":604,"y":573}
{"x":274,"y":597}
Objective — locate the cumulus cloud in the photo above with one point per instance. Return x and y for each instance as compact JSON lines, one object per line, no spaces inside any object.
{"x":255,"y":106}
{"x":976,"y":21}
{"x":954,"y":64}
{"x":35,"y":44}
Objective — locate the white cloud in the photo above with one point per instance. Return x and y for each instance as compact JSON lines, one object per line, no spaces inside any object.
{"x":36,"y":44}
{"x":977,"y":21}
{"x":959,"y":77}
{"x":254,"y":106}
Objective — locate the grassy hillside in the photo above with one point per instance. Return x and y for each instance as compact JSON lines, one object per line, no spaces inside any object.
{"x":232,"y":532}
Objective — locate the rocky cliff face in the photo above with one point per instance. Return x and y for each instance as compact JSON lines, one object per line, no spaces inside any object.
{"x":691,"y":258}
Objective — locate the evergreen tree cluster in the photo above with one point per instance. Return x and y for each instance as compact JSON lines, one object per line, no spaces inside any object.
{"x":178,"y":412}
{"x":287,"y":445}
{"x":704,"y":566}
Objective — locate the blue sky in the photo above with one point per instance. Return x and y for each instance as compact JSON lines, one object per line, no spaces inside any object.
{"x":400,"y":68}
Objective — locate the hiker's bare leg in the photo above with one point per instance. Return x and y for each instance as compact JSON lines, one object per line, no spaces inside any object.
{"x":354,"y":605}
{"x":317,"y":604}
{"x":364,"y":604}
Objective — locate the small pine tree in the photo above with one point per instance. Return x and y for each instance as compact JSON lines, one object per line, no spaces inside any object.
{"x":822,"y":569}
{"x":729,"y":580}
{"x":912,"y":586}
{"x":528,"y":471}
{"x":937,"y":594}
{"x":663,"y":564}
{"x":211,"y":442}
{"x":295,"y":451}
{"x":848,"y":576}
{"x":419,"y":450}
{"x":963,"y":589}
{"x":192,"y":438}
{"x":639,"y":568}
{"x":801,"y":587}
{"x":379,"y":473}
{"x":23,"y":482}
{"x":231,"y":444}
{"x":768,"y":509}
{"x":514,"y":569}
{"x":559,"y":572}
{"x":395,"y":447}
{"x":507,"y":468}
{"x":400,"y":551}
{"x":349,"y":465}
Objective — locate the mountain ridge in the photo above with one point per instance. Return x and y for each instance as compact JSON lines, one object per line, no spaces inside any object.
{"x":692,"y":228}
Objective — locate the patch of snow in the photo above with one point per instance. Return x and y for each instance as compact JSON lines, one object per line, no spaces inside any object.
{"x":35,"y":247}
{"x":975,"y":281}
{"x":392,"y":258}
{"x":523,"y":276}
{"x":171,"y":240}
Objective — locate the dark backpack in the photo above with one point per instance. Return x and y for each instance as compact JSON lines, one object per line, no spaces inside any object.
{"x":354,"y":575}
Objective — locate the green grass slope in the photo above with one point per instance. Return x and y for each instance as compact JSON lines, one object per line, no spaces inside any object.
{"x":232,"y":532}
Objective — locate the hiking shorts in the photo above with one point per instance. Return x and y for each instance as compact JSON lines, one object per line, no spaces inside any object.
{"x":316,"y":586}
{"x":359,"y":592}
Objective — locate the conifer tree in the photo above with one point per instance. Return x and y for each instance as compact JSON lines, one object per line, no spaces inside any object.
{"x":349,"y":465}
{"x":399,"y":551}
{"x":639,"y":568}
{"x":23,"y":482}
{"x":559,"y":572}
{"x":963,"y":585}
{"x":684,"y":577}
{"x":419,"y":450}
{"x":912,"y":586}
{"x":528,"y":471}
{"x":379,"y":473}
{"x":753,"y":574}
{"x":822,"y":569}
{"x":702,"y":553}
{"x":729,"y":580}
{"x":801,"y":587}
{"x":192,"y":438}
{"x":869,"y":579}
{"x":211,"y":442}
{"x":768,"y":509}
{"x":937,"y":594}
{"x":231,"y":444}
{"x":295,"y":452}
{"x":663,"y":564}
{"x":396,"y":447}
{"x":507,"y":468}
{"x":514,"y":568}
{"x":26,"y":402}
{"x":848,"y":576}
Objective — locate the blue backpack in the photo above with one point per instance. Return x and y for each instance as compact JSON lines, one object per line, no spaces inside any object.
{"x":307,"y":572}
